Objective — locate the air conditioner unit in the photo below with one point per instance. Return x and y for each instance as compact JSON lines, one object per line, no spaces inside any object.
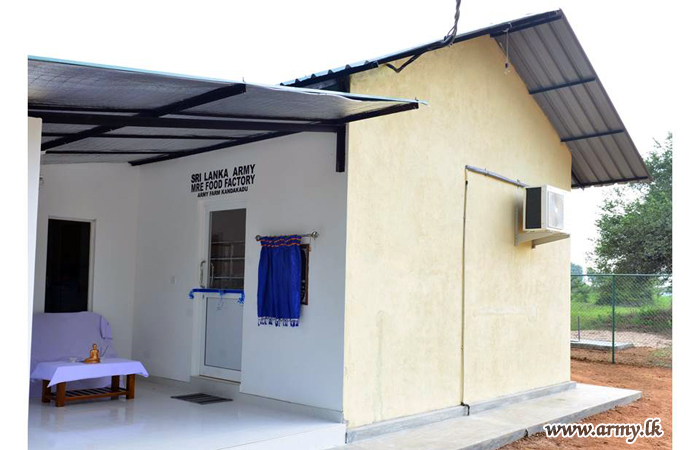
{"x":543,"y":209}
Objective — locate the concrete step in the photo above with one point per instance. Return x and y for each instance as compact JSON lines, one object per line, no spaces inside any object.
{"x":593,"y":344}
{"x":497,"y":427}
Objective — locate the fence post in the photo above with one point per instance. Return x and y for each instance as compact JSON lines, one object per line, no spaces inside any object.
{"x":613,"y":319}
{"x":578,"y":318}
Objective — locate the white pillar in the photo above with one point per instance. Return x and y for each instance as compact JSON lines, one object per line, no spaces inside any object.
{"x":34,"y":159}
{"x":33,"y":165}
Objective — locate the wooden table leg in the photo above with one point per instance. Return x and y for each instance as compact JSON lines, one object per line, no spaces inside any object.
{"x":115,"y":385}
{"x":130,"y":386}
{"x":61,"y":394}
{"x":45,"y":391}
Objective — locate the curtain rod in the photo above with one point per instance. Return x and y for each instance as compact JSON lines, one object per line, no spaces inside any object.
{"x":313,"y":234}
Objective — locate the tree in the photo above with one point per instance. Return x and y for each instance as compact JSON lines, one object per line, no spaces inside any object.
{"x":580,"y":291}
{"x":635,"y":224}
{"x":576,"y":269}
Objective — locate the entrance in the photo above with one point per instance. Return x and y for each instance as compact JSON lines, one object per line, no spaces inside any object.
{"x":68,"y":266}
{"x":223,"y":267}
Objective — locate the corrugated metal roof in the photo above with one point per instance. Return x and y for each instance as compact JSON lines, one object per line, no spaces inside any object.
{"x":545,"y":52}
{"x":94,"y":113}
{"x":550,"y":55}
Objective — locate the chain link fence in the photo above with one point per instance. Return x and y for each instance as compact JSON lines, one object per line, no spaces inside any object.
{"x":622,"y":318}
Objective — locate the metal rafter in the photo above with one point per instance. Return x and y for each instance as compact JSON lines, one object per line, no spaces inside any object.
{"x":113,"y":122}
{"x":381,"y":112}
{"x":622,"y":180}
{"x":37,"y":108}
{"x":207,"y":97}
{"x":592,"y":135}
{"x":561,"y":86}
{"x":148,"y":136}
{"x":106,"y":152}
{"x":211,"y":148}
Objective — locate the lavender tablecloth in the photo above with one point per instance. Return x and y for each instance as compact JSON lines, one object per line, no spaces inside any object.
{"x":61,"y":336}
{"x":62,"y":371}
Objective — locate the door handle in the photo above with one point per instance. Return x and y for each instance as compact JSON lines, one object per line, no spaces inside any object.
{"x":201,"y":274}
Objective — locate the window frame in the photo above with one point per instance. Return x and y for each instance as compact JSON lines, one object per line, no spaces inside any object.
{"x":306,"y":250}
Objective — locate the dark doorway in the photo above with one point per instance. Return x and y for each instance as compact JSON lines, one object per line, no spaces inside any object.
{"x":67,"y":266}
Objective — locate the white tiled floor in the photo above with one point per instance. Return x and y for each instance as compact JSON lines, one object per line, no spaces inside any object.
{"x":155,"y":421}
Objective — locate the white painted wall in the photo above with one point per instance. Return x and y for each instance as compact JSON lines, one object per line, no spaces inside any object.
{"x":147,"y":253}
{"x":296,"y":190}
{"x":107,"y":195}
{"x":33,"y":173}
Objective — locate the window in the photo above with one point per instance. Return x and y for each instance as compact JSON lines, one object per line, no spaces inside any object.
{"x":227,"y":249}
{"x":305,"y":250}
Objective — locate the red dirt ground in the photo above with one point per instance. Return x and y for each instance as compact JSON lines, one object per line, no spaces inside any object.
{"x":655,"y":384}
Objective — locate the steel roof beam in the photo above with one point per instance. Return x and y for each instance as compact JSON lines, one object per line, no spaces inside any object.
{"x":149,"y":136}
{"x":592,"y":135}
{"x":111,"y":122}
{"x":621,"y":180}
{"x":561,"y":86}
{"x":197,"y":100}
{"x":382,"y":112}
{"x":85,"y":109}
{"x":211,"y":148}
{"x":339,"y":129}
{"x":37,"y":108}
{"x":106,"y":152}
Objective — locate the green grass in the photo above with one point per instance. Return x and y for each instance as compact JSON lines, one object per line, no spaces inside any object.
{"x":662,"y":357}
{"x":655,"y":317}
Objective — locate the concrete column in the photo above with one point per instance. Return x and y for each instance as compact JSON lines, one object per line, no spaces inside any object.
{"x":33,"y":165}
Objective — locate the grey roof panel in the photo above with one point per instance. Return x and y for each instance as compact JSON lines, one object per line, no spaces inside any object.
{"x":70,"y":84}
{"x":545,"y":52}
{"x":233,"y":134}
{"x":162,"y":114}
{"x":300,"y":104}
{"x":550,"y":55}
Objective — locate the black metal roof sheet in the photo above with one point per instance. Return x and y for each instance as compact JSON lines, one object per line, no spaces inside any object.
{"x":549,"y":58}
{"x":94,"y":113}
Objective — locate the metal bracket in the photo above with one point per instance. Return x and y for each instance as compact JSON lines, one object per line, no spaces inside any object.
{"x":536,"y":237}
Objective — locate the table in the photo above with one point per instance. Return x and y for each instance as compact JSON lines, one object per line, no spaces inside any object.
{"x":58,"y":373}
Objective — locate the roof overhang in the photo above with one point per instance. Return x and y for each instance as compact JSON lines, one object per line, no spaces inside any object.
{"x":547,"y":55}
{"x":94,"y":113}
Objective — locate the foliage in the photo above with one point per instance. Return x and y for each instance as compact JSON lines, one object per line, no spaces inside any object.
{"x":635,"y":224}
{"x":580,"y":291}
{"x":635,"y":291}
{"x":654,"y":318}
{"x":576,"y":269}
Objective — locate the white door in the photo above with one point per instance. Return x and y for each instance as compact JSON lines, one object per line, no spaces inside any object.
{"x":223,"y":267}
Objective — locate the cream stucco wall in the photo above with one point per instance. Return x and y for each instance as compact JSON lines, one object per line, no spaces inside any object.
{"x":403,"y":326}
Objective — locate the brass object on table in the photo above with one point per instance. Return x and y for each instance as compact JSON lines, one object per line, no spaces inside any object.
{"x":94,"y":356}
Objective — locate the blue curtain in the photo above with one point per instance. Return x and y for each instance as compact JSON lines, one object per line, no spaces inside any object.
{"x":279,"y":281}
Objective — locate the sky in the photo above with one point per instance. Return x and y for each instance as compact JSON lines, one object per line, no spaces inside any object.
{"x":273,"y":41}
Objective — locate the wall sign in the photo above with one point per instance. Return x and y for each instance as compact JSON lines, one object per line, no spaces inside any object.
{"x":222,"y":181}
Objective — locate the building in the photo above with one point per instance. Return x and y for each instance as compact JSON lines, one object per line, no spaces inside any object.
{"x":419,"y":301}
